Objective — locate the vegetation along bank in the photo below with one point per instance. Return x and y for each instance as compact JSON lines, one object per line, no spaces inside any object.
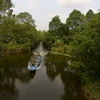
{"x":79,"y":37}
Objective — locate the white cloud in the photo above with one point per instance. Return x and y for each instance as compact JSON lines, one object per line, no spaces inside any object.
{"x":75,"y":3}
{"x":33,"y":1}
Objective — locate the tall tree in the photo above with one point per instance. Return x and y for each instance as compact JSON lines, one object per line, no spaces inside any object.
{"x":89,"y":14}
{"x":25,"y":17}
{"x":54,"y":23}
{"x":75,"y":19}
{"x":5,"y":5}
{"x":57,"y":27}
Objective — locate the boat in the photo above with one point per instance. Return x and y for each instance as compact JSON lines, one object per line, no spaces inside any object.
{"x":31,"y":67}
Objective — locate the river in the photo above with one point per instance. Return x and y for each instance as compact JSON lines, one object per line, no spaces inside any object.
{"x":50,"y":82}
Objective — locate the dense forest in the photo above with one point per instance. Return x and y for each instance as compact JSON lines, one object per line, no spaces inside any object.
{"x":79,"y":37}
{"x":17,"y":32}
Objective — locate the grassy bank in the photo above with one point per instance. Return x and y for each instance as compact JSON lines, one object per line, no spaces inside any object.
{"x":57,"y":53}
{"x":92,"y":91}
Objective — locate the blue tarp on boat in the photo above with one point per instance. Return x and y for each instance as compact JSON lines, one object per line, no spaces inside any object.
{"x":30,"y":67}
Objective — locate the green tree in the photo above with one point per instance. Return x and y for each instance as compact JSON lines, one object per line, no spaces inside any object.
{"x":86,"y":49}
{"x":54,"y":23}
{"x":17,"y":32}
{"x":25,"y":17}
{"x":75,"y":19}
{"x":89,"y":14}
{"x":57,"y":29}
{"x":75,"y":23}
{"x":5,"y":6}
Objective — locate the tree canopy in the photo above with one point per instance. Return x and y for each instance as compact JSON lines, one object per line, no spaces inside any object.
{"x":80,"y":38}
{"x":17,"y":32}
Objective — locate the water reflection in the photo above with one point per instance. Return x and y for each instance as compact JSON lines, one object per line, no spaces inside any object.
{"x":51,"y":82}
{"x":55,"y":66}
{"x":72,"y":87}
{"x":12,"y":67}
{"x":7,"y":87}
{"x":32,"y":74}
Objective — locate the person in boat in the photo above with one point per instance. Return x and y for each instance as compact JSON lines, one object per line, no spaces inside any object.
{"x":34,"y":63}
{"x":36,"y":59}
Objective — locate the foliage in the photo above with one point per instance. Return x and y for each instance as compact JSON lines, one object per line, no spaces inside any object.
{"x":17,"y":32}
{"x":60,"y":47}
{"x":25,"y":17}
{"x":79,"y":37}
{"x":74,"y":20}
{"x":93,"y":89}
{"x":89,"y":14}
{"x":57,"y":31}
{"x":5,"y":6}
{"x":85,"y":49}
{"x":55,"y":23}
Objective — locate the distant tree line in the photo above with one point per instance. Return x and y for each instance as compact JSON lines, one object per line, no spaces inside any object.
{"x":17,"y":32}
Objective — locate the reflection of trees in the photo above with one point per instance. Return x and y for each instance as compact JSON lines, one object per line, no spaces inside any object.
{"x":52,"y":71}
{"x":12,"y":67}
{"x":7,"y":86}
{"x":72,"y":87}
{"x":55,"y":65}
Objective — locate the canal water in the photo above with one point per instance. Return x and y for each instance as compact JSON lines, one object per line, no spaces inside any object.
{"x":51,"y":82}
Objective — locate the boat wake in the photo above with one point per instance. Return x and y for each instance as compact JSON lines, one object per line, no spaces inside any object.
{"x":39,"y":67}
{"x":41,"y":53}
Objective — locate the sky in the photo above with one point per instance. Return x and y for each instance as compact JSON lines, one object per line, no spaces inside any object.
{"x":43,"y":11}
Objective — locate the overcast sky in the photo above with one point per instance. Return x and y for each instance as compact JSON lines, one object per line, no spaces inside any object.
{"x":43,"y":11}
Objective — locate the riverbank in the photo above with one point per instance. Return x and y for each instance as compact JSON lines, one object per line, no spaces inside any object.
{"x":10,"y":52}
{"x":92,"y":91}
{"x":57,"y":53}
